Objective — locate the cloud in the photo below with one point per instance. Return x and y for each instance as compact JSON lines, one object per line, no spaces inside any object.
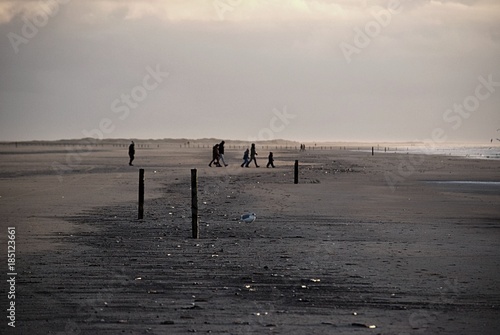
{"x":193,"y":10}
{"x":228,"y":73}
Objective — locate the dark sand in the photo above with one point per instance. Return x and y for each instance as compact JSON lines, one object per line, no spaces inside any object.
{"x":340,"y":250}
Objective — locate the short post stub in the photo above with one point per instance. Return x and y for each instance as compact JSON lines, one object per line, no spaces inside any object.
{"x":194,"y":204}
{"x":140,"y":215}
{"x":296,"y":172}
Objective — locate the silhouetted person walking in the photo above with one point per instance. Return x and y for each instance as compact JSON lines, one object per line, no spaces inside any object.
{"x":270,"y":159}
{"x":215,"y":156}
{"x":131,"y":153}
{"x":253,"y":153}
{"x":221,"y":152}
{"x":245,"y":158}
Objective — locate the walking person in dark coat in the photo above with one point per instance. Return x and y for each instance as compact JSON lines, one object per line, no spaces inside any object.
{"x":245,"y":158}
{"x":221,"y":152}
{"x":253,"y":153}
{"x":270,"y":161}
{"x":215,"y":156}
{"x":131,"y":153}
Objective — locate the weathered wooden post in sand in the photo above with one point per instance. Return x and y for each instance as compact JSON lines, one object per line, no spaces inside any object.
{"x":194,"y":204}
{"x":372,"y":151}
{"x":141,"y":194}
{"x":296,"y":172}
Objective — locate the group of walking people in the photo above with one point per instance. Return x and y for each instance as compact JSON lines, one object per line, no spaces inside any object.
{"x":218,"y":154}
{"x":249,"y":156}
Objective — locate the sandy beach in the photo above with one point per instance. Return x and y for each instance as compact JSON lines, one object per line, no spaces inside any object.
{"x":385,"y":244}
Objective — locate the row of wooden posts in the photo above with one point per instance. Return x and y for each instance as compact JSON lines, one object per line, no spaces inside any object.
{"x":121,"y":145}
{"x":194,"y":197}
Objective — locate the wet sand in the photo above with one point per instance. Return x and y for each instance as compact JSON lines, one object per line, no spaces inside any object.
{"x":361,"y":241}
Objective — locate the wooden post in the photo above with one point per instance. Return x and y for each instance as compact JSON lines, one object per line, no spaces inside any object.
{"x":194,"y":204}
{"x":372,"y":151}
{"x":141,"y":194}
{"x":296,"y":173}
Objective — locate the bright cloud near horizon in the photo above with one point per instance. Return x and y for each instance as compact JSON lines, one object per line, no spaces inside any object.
{"x":306,"y":70}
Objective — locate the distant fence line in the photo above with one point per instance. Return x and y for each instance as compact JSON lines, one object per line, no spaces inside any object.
{"x":194,"y":146}
{"x":81,"y":144}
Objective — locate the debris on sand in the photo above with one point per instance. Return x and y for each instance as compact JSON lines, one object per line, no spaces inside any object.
{"x":356,"y":324}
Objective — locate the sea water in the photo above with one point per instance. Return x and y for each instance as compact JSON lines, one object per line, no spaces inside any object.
{"x":475,"y":152}
{"x":470,"y":186}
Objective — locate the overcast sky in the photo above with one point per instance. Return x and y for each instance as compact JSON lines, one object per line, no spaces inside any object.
{"x":306,"y":70}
